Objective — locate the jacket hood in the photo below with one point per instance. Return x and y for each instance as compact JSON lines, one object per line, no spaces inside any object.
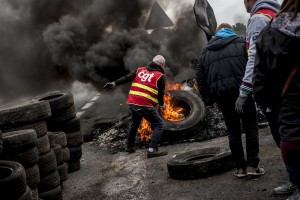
{"x":219,"y":43}
{"x":265,"y":4}
{"x":154,"y":67}
{"x":225,"y":33}
{"x":284,"y":24}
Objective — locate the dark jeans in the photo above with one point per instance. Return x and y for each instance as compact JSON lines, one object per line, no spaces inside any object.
{"x":233,"y":122}
{"x":290,"y":151}
{"x":150,"y":114}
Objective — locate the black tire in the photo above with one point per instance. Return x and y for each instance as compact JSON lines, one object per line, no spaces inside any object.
{"x":66,"y":154}
{"x":57,"y":99}
{"x":74,"y":139}
{"x":63,"y":172}
{"x":61,"y":139}
{"x":27,"y":194}
{"x":69,"y":126}
{"x":19,"y":140}
{"x":55,"y":194}
{"x":49,"y":182}
{"x":12,"y":179}
{"x":51,"y":137}
{"x":1,"y":145}
{"x":58,"y":154}
{"x":23,"y":112}
{"x":26,"y":157}
{"x":200,"y":163}
{"x":33,"y":176}
{"x":47,"y":163}
{"x":43,"y":144}
{"x":40,"y":128}
{"x":75,"y":153}
{"x":74,"y":166}
{"x":194,"y":117}
{"x":62,"y":115}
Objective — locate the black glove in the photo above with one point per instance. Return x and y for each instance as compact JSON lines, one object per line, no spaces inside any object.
{"x":240,"y":102}
{"x":109,"y":85}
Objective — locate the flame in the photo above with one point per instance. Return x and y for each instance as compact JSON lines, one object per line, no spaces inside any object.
{"x":172,"y":113}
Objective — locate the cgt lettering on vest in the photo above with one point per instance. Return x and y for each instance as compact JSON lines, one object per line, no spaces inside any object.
{"x":145,"y":76}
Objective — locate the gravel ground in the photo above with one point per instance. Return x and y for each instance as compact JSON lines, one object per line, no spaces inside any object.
{"x":118,"y":175}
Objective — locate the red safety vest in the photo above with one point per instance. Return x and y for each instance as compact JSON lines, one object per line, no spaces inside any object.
{"x":266,"y":12}
{"x":143,"y":90}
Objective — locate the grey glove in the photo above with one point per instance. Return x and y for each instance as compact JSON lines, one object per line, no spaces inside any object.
{"x":240,"y":102}
{"x":164,"y":106}
{"x":109,"y":85}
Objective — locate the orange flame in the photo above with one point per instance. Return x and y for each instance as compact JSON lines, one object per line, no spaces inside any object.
{"x":172,"y":113}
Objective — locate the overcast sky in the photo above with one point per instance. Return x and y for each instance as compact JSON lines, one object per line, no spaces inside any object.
{"x":226,"y":11}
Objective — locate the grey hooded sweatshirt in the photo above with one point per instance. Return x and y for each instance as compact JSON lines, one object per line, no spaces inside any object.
{"x":255,"y":25}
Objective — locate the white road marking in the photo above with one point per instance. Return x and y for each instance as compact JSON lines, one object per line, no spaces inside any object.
{"x":87,"y":105}
{"x":79,"y":114}
{"x":95,"y":98}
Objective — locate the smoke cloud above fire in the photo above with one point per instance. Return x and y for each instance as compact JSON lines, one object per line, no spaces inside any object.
{"x":48,"y":44}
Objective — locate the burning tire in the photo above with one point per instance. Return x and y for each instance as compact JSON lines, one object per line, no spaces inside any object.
{"x":200,"y":163}
{"x":194,"y":113}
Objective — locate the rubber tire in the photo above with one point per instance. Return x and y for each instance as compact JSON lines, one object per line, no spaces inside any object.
{"x":74,"y":166}
{"x":63,"y":172}
{"x":43,"y":145}
{"x":69,"y":126}
{"x":61,"y":139}
{"x":47,"y":163}
{"x":26,"y":157}
{"x":49,"y":182}
{"x":66,"y":154}
{"x":57,"y":99}
{"x":1,"y":145}
{"x":52,"y":139}
{"x":74,"y":139}
{"x":33,"y":176}
{"x":40,"y":128}
{"x":62,"y":115}
{"x":27,"y":195}
{"x":58,"y":154}
{"x":17,"y":141}
{"x":75,"y":153}
{"x":212,"y":161}
{"x":12,"y":179}
{"x":23,"y":112}
{"x":188,"y":127}
{"x":55,"y":194}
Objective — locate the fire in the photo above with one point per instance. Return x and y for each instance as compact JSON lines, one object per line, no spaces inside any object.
{"x":172,"y":113}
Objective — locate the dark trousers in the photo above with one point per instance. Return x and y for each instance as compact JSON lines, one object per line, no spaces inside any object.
{"x":290,"y":151}
{"x":150,"y":114}
{"x":233,"y":122}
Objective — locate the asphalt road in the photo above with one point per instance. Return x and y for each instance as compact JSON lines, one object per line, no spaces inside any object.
{"x":122,"y":176}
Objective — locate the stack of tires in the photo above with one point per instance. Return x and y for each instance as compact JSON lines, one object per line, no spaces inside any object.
{"x":31,"y":114}
{"x":64,"y":119}
{"x":58,"y":141}
{"x":20,"y":146}
{"x":13,"y":182}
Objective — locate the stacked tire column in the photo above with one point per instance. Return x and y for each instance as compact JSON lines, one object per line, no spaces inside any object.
{"x":64,"y":119}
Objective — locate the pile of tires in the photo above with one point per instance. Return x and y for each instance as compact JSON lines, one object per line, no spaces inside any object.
{"x":13,"y":182}
{"x":32,"y":114}
{"x":64,"y":119}
{"x":20,"y":146}
{"x":58,"y":143}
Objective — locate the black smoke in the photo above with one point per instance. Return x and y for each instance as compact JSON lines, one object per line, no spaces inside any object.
{"x":47,"y":44}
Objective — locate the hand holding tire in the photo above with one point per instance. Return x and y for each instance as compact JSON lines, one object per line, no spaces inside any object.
{"x":109,"y":85}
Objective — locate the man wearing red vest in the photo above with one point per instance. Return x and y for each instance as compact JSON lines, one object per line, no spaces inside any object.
{"x":146,"y":91}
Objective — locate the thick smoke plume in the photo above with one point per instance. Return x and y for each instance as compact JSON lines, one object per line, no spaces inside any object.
{"x":47,"y":44}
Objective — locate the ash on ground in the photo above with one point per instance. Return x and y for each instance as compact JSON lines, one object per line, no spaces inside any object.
{"x":114,"y":138}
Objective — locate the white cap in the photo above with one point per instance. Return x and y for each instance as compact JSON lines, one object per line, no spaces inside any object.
{"x":160,"y":60}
